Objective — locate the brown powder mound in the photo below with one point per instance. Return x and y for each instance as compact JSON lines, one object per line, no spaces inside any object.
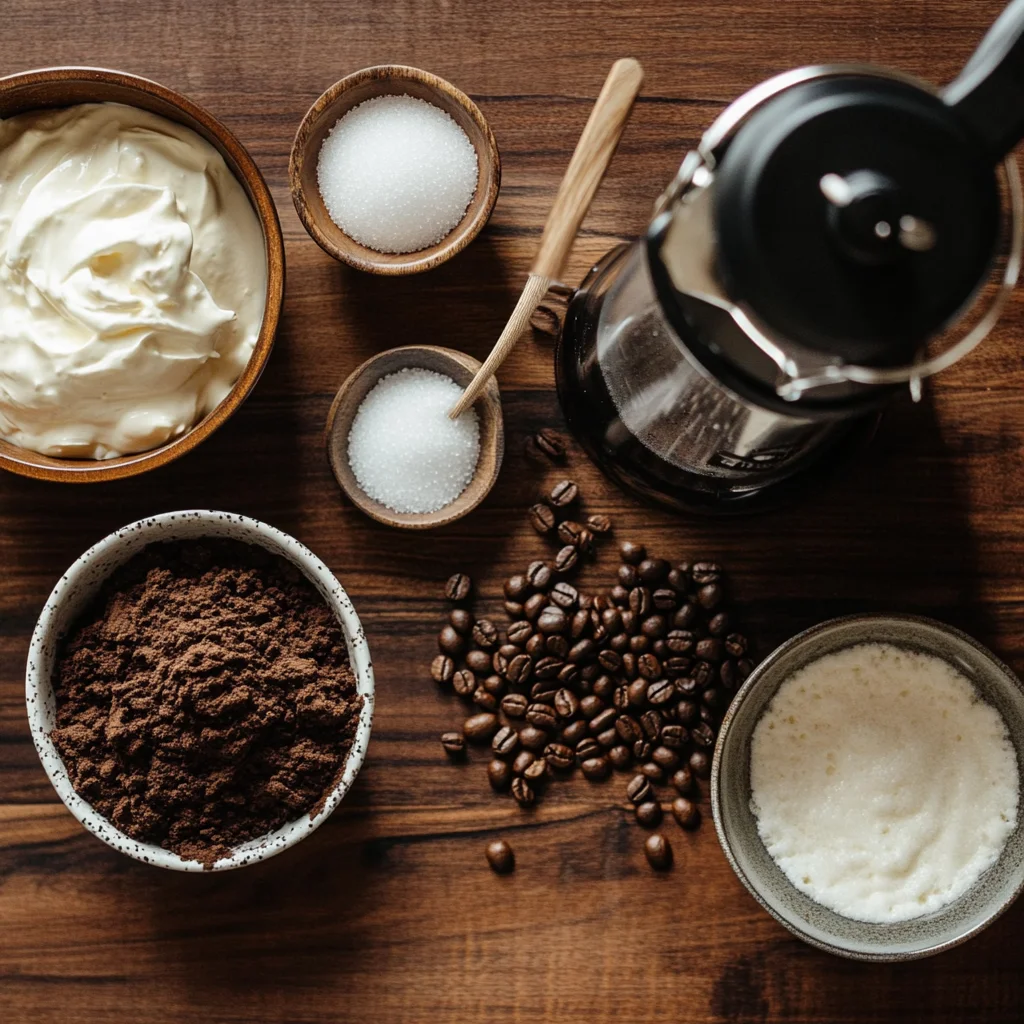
{"x":205,"y":698}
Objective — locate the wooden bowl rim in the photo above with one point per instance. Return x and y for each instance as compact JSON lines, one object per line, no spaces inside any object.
{"x":490,"y":414}
{"x":362,"y":257}
{"x":48,"y":467}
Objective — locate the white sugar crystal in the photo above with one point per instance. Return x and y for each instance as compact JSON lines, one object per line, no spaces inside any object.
{"x":397,"y":173}
{"x":404,"y":450}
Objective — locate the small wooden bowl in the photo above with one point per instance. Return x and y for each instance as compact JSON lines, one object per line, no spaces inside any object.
{"x":390,"y":80}
{"x":65,"y":87}
{"x":460,"y":368}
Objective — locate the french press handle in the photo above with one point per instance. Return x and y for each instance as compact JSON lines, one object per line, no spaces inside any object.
{"x":989,"y":93}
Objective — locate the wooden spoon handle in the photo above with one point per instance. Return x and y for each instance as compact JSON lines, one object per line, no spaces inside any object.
{"x":588,"y":165}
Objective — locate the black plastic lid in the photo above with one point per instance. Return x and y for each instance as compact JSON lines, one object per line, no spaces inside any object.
{"x":871,"y":262}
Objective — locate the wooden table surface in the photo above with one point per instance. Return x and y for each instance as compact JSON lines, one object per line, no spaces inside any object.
{"x":389,"y":913}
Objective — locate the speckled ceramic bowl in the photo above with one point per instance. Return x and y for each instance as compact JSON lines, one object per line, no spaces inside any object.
{"x":74,"y":591}
{"x":737,"y":827}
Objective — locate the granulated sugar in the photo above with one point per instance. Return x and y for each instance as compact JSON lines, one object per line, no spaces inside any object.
{"x":404,"y":450}
{"x":882,"y":785}
{"x":397,"y":173}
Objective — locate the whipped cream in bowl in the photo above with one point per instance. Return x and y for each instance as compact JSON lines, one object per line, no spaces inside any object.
{"x":140,"y":281}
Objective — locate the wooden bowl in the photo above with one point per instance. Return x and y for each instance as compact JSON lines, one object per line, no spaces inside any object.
{"x":63,"y":87}
{"x":460,"y":368}
{"x":390,"y":80}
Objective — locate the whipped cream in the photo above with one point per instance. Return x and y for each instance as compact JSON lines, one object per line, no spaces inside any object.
{"x":132,"y":280}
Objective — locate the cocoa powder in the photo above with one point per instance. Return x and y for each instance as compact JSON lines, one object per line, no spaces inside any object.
{"x":205,"y":698}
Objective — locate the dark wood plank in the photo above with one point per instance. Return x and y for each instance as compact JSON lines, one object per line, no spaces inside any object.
{"x":389,"y":913}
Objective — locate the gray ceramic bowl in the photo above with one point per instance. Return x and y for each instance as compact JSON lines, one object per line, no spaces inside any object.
{"x":737,"y":827}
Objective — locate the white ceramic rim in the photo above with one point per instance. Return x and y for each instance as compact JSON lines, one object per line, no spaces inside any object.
{"x":716,"y":774}
{"x":178,"y":525}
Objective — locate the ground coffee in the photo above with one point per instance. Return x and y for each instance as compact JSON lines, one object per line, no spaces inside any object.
{"x":205,"y":698}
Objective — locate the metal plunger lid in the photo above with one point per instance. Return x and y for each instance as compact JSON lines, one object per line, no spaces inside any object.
{"x":856,"y":215}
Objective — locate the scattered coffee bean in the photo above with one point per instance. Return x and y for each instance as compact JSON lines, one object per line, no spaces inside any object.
{"x":703,"y":735}
{"x":574,"y":732}
{"x":500,"y":857}
{"x":649,"y":814}
{"x":499,"y":774}
{"x":660,"y":692}
{"x":514,"y":610}
{"x":479,"y":662}
{"x":588,"y":748}
{"x":514,"y":705}
{"x":522,"y":761}
{"x":522,"y":791}
{"x":603,"y":720}
{"x":563,"y":494}
{"x":542,"y":518}
{"x":505,"y":742}
{"x":534,"y":605}
{"x":538,"y":575}
{"x":559,"y":756}
{"x":639,"y":789}
{"x":485,"y":700}
{"x":541,"y":716}
{"x":686,"y":812}
{"x":461,"y":621}
{"x":566,"y":703}
{"x":700,"y":764}
{"x":442,"y":668}
{"x":519,"y":669}
{"x":480,"y":728}
{"x":450,"y":641}
{"x":658,"y":851}
{"x":533,"y":738}
{"x":458,"y":587}
{"x":682,"y":780}
{"x":519,"y":632}
{"x":453,"y":743}
{"x":632,"y":554}
{"x":620,"y":757}
{"x":652,"y":771}
{"x":665,"y":758}
{"x":596,"y":768}
{"x":566,"y":559}
{"x":485,"y":635}
{"x":653,"y":570}
{"x":674,"y":737}
{"x":547,"y":443}
{"x":517,"y":588}
{"x":564,"y":595}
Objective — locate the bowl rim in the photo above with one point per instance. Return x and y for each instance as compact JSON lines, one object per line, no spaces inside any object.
{"x":316,"y":571}
{"x":365,"y":258}
{"x":257,"y":191}
{"x":725,"y":841}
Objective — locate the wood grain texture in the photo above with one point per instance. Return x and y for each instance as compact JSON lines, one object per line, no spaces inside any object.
{"x":389,"y":912}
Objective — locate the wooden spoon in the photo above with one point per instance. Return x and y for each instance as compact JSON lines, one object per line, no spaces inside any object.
{"x":582,"y":177}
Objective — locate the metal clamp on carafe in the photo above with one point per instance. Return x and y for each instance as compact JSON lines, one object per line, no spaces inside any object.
{"x":840,"y":232}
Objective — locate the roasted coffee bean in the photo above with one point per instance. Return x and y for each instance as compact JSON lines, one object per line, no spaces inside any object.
{"x":485,"y":635}
{"x":533,"y":738}
{"x":710,"y":649}
{"x":536,"y":646}
{"x":628,"y":577}
{"x":610,"y":660}
{"x":713,"y":697}
{"x":582,"y":651}
{"x":485,"y":700}
{"x":718,"y":624}
{"x":653,"y":626}
{"x":587,"y":749}
{"x":630,"y":623}
{"x":522,"y":791}
{"x":464,"y":682}
{"x":543,"y":692}
{"x":686,"y":812}
{"x":519,"y":632}
{"x":549,"y":443}
{"x":673,"y":736}
{"x":514,"y":705}
{"x":629,"y":665}
{"x":542,"y":716}
{"x":632,"y":554}
{"x":637,"y":692}
{"x":537,"y":771}
{"x":566,"y":703}
{"x":649,"y":814}
{"x":450,"y":641}
{"x":566,"y":559}
{"x":703,"y":735}
{"x":700,"y":764}
{"x":658,"y":852}
{"x":653,"y":570}
{"x":620,"y":698}
{"x":651,"y":723}
{"x":619,"y":643}
{"x":599,"y":523}
{"x":552,"y":620}
{"x":548,"y":668}
{"x":442,"y":668}
{"x":619,"y":596}
{"x":743,"y":668}
{"x":611,"y":620}
{"x":603,"y":720}
{"x":640,"y":603}
{"x":514,"y":610}
{"x":569,"y":532}
{"x":649,"y":667}
{"x":519,"y":669}
{"x":538,"y":574}
{"x":516,"y":588}
{"x":496,"y":685}
{"x":703,"y":674}
{"x":642,"y":750}
{"x":710,"y":596}
{"x":542,"y":518}
{"x":620,"y":757}
{"x":652,"y":771}
{"x":664,"y":758}
{"x":499,"y":774}
{"x":678,"y":579}
{"x":686,"y":686}
{"x":565,"y":595}
{"x":505,"y":742}
{"x":522,"y":761}
{"x":708,"y":715}
{"x":660,"y":692}
{"x":736,"y":645}
{"x":585,"y":542}
{"x":557,"y":646}
{"x":608,"y":739}
{"x":559,"y":756}
{"x":500,"y":857}
{"x":628,"y":729}
{"x":639,"y":789}
{"x":685,"y":617}
{"x":563,"y":494}
{"x":574,"y":732}
{"x":665,"y":600}
{"x":461,"y":621}
{"x":479,"y":662}
{"x":579,"y":624}
{"x":660,"y":650}
{"x":596,"y":768}
{"x":569,"y":675}
{"x":677,"y":666}
{"x":534,"y":605}
{"x":681,"y":641}
{"x":640,"y":645}
{"x":480,"y":728}
{"x":454,"y":744}
{"x":458,"y":587}
{"x":706,"y":572}
{"x":591,"y":706}
{"x":727,"y":675}
{"x":682,"y":780}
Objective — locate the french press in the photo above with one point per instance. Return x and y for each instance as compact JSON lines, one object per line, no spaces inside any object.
{"x":840,"y":232}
